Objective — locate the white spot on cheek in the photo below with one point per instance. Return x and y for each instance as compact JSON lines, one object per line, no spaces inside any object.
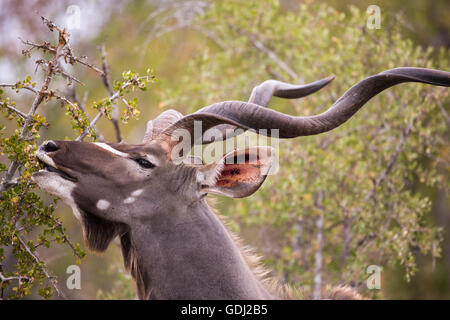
{"x":103,"y":204}
{"x":137,"y":193}
{"x":129,"y":200}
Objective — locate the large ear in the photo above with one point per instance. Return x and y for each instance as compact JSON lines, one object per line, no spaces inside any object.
{"x":239,"y":173}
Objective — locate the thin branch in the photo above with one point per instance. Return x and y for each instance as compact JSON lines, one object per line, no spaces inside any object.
{"x":92,"y":125}
{"x":57,"y":225}
{"x":318,"y":256}
{"x":68,"y":55}
{"x":68,"y":76}
{"x":20,"y":113}
{"x":105,"y":75}
{"x":47,"y":47}
{"x":346,"y":238}
{"x":443,"y":111}
{"x":272,"y":55}
{"x":89,"y":65}
{"x":112,"y":98}
{"x":80,"y":105}
{"x":66,"y":239}
{"x":14,"y":87}
{"x":392,"y":159}
{"x":72,"y":92}
{"x":40,"y":264}
{"x":210,"y":35}
{"x":3,"y":278}
{"x":107,"y":83}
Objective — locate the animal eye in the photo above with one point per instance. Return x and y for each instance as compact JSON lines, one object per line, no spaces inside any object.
{"x":145,"y":163}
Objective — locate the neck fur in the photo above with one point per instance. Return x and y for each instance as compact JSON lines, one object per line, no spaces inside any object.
{"x":188,"y":254}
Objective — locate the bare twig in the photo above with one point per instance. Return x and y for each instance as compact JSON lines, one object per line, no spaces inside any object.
{"x":107,"y":83}
{"x":13,"y":86}
{"x":47,"y":47}
{"x":69,"y":77}
{"x":105,"y":75}
{"x":89,"y":65}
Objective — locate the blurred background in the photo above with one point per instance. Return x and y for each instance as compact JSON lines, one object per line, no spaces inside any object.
{"x":207,"y":51}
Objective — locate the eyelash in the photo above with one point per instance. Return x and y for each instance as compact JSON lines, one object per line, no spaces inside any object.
{"x":144,"y":163}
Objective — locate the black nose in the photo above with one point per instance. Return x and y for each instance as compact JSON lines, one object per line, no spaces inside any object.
{"x":49,"y":146}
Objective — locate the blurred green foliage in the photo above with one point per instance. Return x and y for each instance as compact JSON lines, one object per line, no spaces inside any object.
{"x":366,"y":187}
{"x":368,"y":179}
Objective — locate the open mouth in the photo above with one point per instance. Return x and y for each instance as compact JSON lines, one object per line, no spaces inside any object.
{"x":50,"y":168}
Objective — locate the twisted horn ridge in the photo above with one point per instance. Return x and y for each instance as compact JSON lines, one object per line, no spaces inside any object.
{"x":261,"y":96}
{"x":247,"y":115}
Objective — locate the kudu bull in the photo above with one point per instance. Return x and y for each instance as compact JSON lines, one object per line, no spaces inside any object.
{"x":172,"y":242}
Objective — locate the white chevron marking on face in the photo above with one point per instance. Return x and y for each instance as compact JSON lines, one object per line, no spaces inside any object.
{"x":137,"y":193}
{"x":111,"y":149}
{"x":129,"y":200}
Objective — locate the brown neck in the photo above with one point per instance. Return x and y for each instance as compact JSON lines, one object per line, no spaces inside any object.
{"x":189,"y":256}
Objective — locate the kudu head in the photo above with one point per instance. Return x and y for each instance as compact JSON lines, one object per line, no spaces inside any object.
{"x":112,"y":187}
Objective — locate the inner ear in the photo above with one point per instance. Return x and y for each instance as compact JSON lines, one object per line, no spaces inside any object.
{"x":240,"y":167}
{"x":241,"y":172}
